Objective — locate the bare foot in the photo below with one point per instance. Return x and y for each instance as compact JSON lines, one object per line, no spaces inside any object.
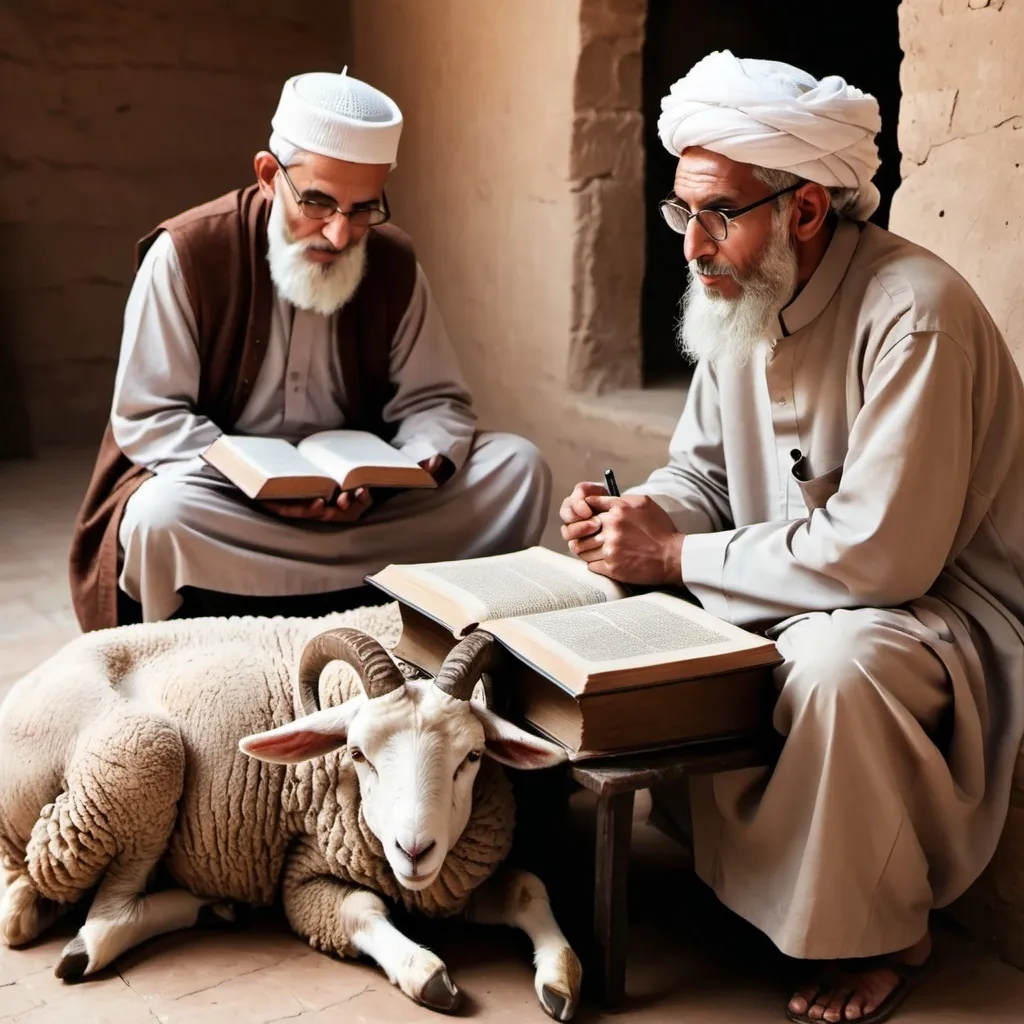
{"x":845,"y":992}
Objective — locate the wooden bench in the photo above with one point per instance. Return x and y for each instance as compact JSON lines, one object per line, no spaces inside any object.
{"x":615,"y":783}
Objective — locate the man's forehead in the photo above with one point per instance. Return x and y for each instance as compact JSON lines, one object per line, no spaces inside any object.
{"x":700,"y":170}
{"x":327,"y":171}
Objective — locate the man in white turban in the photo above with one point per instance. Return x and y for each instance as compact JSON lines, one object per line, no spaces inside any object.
{"x":280,"y":310}
{"x":848,"y":476}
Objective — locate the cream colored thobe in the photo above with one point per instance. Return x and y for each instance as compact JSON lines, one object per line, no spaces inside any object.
{"x":891,"y":576}
{"x":187,"y":526}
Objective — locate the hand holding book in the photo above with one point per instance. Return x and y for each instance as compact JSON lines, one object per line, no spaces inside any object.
{"x":349,"y":506}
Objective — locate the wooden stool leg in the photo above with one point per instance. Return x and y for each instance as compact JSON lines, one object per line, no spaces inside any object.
{"x":611,"y":880}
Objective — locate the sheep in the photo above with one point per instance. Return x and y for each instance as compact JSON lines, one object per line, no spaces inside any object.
{"x":186,"y":746}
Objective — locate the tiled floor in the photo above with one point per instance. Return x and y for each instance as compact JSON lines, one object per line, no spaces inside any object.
{"x":690,"y":960}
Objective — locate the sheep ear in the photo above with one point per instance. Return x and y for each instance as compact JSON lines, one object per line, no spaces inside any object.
{"x":516,"y":747}
{"x":307,"y":737}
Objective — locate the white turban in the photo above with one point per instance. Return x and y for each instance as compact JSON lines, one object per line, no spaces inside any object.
{"x":336,"y":116}
{"x":774,"y":115}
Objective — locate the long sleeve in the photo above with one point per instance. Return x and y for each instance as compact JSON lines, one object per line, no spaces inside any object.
{"x":153,"y":411}
{"x":692,"y":488}
{"x":883,"y":538}
{"x":432,"y":405}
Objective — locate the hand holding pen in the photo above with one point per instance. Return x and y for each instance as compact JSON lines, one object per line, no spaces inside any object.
{"x":629,"y":539}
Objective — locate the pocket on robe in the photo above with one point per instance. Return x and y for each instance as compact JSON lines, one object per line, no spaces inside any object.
{"x":817,"y":490}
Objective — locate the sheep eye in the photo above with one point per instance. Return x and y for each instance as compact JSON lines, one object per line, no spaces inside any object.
{"x":473,"y":755}
{"x":357,"y":755}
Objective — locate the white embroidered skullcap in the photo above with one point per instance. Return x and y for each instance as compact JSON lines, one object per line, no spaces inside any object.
{"x":770,"y":114}
{"x":337,"y":116}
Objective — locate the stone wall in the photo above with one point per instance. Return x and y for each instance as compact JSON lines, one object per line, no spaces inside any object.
{"x":116,"y":115}
{"x":962,"y":137}
{"x":607,"y":174}
{"x":520,"y":180}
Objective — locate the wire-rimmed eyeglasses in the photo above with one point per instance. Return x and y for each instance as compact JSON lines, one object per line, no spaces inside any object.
{"x":714,"y":222}
{"x":361,"y":215}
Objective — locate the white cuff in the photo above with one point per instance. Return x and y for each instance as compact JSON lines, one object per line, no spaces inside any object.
{"x":703,"y":569}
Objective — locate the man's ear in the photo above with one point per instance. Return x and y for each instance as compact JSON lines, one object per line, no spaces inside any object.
{"x":811,"y":206}
{"x":516,"y":747}
{"x":266,"y":168}
{"x":305,"y":738}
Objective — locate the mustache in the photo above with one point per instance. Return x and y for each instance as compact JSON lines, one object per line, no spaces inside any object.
{"x":323,"y":247}
{"x":711,"y":269}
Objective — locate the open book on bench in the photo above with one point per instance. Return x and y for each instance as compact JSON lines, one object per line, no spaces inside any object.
{"x":594,"y":669}
{"x":319,"y":466}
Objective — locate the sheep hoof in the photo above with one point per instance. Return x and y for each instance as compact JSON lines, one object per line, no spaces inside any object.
{"x":23,"y":914}
{"x":439,"y":993}
{"x":74,"y":961}
{"x":212,"y":915}
{"x":557,"y":1005}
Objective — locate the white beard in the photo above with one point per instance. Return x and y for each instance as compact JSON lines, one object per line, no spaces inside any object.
{"x":320,"y":287}
{"x":720,"y":330}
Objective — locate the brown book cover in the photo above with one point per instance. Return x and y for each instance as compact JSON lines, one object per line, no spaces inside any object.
{"x":600,"y":671}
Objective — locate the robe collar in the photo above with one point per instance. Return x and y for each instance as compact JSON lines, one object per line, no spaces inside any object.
{"x":824,"y":282}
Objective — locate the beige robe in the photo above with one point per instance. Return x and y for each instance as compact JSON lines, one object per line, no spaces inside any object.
{"x":890,"y":567}
{"x":187,"y":526}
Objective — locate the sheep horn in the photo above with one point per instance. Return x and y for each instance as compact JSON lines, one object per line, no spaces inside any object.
{"x":466,"y":662}
{"x":377,"y":672}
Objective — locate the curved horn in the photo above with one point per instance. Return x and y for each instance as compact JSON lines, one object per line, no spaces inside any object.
{"x":466,"y":662}
{"x":377,"y":672}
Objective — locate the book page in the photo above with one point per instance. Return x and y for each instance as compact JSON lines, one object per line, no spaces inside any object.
{"x":642,"y":639}
{"x":338,"y":452}
{"x":500,"y":586}
{"x":623,"y":630}
{"x":272,"y":456}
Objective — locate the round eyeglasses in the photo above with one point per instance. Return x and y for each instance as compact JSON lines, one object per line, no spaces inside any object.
{"x":321,"y":207}
{"x":714,"y":222}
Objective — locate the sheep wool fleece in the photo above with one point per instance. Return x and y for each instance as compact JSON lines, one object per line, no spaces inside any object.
{"x":178,"y":782}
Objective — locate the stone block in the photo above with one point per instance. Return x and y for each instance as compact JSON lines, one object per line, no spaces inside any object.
{"x":608,"y":145}
{"x":966,"y":203}
{"x":608,"y":274}
{"x":608,"y":74}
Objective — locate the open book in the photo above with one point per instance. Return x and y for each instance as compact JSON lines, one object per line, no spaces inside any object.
{"x":317,"y":467}
{"x":595,"y":669}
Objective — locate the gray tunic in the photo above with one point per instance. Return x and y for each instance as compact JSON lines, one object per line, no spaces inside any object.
{"x":187,"y":526}
{"x":901,"y":550}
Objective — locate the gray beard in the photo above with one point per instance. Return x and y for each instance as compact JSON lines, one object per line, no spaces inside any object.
{"x":720,"y":330}
{"x":319,"y":287}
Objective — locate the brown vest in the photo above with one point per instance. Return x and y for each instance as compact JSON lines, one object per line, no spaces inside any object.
{"x":222,"y":249}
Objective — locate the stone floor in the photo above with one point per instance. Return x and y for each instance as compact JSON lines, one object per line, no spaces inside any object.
{"x":690,"y":959}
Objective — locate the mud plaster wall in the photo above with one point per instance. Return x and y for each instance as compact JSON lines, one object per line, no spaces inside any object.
{"x":520,"y":178}
{"x":962,"y":136}
{"x":115,"y":116}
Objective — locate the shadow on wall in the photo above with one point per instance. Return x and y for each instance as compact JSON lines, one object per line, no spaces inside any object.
{"x":15,"y":427}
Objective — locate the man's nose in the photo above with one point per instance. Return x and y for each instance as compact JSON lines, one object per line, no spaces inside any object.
{"x":338,"y":231}
{"x":697,"y":242}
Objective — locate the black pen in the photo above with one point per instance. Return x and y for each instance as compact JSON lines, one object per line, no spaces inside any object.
{"x":610,"y":484}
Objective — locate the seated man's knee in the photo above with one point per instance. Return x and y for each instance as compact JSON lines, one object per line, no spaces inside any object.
{"x":521,"y":462}
{"x":830,"y":658}
{"x":159,"y":507}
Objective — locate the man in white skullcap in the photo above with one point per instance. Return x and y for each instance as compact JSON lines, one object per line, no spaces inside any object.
{"x":279,"y":310}
{"x":848,"y":476}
